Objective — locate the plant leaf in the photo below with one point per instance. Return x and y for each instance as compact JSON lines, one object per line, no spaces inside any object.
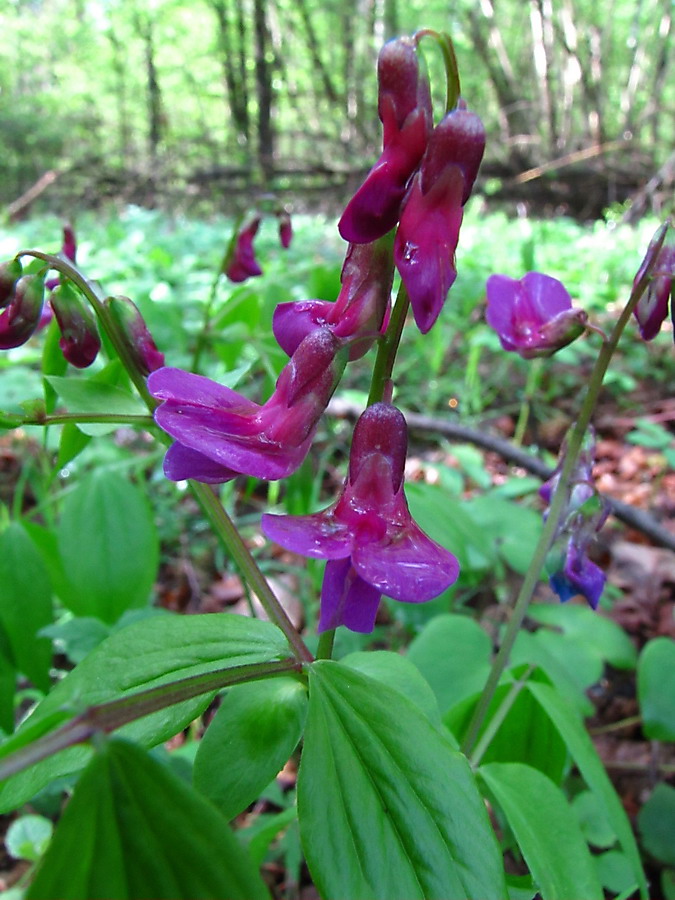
{"x":387,"y":807}
{"x":546,"y":829}
{"x":134,"y":829}
{"x":252,"y":736}
{"x":656,"y":688}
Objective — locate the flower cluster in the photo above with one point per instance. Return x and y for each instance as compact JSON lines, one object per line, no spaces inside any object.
{"x":421,"y":181}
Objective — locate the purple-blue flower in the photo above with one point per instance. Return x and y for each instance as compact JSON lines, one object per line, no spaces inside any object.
{"x":532,"y":316}
{"x":220,"y":434}
{"x":368,"y":536}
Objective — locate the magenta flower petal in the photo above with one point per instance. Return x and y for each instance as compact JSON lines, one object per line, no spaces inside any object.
{"x":21,"y":314}
{"x":181,"y":463}
{"x":346,"y":599}
{"x":293,"y":321}
{"x":318,"y":536}
{"x":368,"y":536}
{"x":426,"y":240}
{"x":169,"y":383}
{"x":242,"y":263}
{"x":533,"y":316}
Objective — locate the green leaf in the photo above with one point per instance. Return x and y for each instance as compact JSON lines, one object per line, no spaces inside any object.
{"x":387,"y":807}
{"x":72,"y":443}
{"x":453,"y":654}
{"x":571,"y":672}
{"x":93,"y":396}
{"x":513,"y":529}
{"x":593,"y":821}
{"x":615,"y":873}
{"x":28,"y":836}
{"x":252,"y":736}
{"x":656,"y":688}
{"x":109,"y":546}
{"x":264,"y":830}
{"x":546,"y":830}
{"x":580,"y":746}
{"x":399,"y":673}
{"x":151,"y":652}
{"x":656,"y":821}
{"x":25,"y":604}
{"x":132,"y":829}
{"x":586,"y":628}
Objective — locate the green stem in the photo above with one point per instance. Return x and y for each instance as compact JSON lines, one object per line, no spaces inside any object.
{"x":497,"y":719}
{"x":106,"y":321}
{"x":226,"y":530}
{"x":107,"y":717}
{"x":616,"y":726}
{"x":326,"y":641}
{"x":530,"y":390}
{"x":93,"y":418}
{"x":556,"y":509}
{"x":387,"y":349}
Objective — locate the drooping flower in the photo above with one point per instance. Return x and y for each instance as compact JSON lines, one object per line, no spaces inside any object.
{"x":285,"y":228}
{"x":426,"y":239}
{"x":659,"y":267}
{"x":533,"y":316}
{"x":242,"y":263}
{"x":368,"y":536}
{"x":404,"y":107}
{"x":361,"y":310}
{"x":136,"y":334}
{"x":571,"y":572}
{"x":80,"y":341}
{"x":10,"y":272}
{"x":69,"y":252}
{"x":21,"y":313}
{"x":220,"y":434}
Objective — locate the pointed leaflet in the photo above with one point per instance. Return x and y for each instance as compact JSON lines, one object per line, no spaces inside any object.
{"x":252,"y":736}
{"x":133,"y":829}
{"x":386,"y":807}
{"x":546,"y":830}
{"x":151,"y":652}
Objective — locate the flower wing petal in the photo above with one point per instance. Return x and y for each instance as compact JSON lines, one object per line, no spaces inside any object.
{"x":319,"y":536}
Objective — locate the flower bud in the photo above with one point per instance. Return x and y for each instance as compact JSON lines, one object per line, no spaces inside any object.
{"x":241,"y":262}
{"x":10,"y":272}
{"x":21,"y":315}
{"x":285,"y":229}
{"x":136,"y":334}
{"x":79,"y":341}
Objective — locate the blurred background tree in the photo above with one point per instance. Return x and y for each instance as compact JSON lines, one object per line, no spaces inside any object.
{"x":170,"y":102}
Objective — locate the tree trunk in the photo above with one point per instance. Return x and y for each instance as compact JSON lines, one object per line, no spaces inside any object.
{"x":263,"y":79}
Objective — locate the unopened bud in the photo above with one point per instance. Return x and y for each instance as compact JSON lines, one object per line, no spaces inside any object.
{"x":136,"y":334}
{"x":80,"y":341}
{"x":10,"y":272}
{"x":21,"y":315}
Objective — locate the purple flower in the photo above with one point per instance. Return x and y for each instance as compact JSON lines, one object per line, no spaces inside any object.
{"x":21,"y":313}
{"x":285,"y":229}
{"x":79,"y":340}
{"x":533,"y":316}
{"x":571,"y":572}
{"x":242,"y":263}
{"x":404,"y":107}
{"x":136,"y":334}
{"x":10,"y":272}
{"x":368,"y":536}
{"x":360,"y":312}
{"x":426,"y":240}
{"x":221,"y":434}
{"x":69,"y":252}
{"x":652,"y":307}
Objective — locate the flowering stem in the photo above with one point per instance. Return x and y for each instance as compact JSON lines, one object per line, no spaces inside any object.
{"x":106,"y":321}
{"x":227,"y":531}
{"x":18,"y":419}
{"x":326,"y":641}
{"x":387,"y":348}
{"x":558,"y":502}
{"x":107,"y":717}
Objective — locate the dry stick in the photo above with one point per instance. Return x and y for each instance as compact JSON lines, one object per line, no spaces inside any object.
{"x":636,"y":518}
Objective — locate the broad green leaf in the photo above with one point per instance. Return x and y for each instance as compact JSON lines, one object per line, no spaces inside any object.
{"x":615,"y":873}
{"x":571,"y":672}
{"x":546,"y":830}
{"x":72,"y":443}
{"x":252,"y":736}
{"x":7,"y":685}
{"x":593,"y":821}
{"x":387,"y":807}
{"x":453,"y":654}
{"x":109,"y":546}
{"x":399,"y":673}
{"x":151,"y":652}
{"x":513,"y":529}
{"x":656,"y":821}
{"x":132,"y":829}
{"x":656,"y":688}
{"x":581,"y":748}
{"x":264,"y":830}
{"x":585,"y":627}
{"x":25,"y":604}
{"x":94,"y":396}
